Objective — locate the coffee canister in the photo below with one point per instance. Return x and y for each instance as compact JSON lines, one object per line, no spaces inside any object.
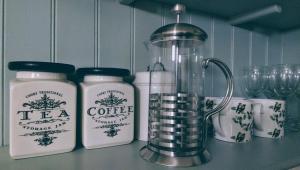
{"x":42,"y":109}
{"x":107,"y":107}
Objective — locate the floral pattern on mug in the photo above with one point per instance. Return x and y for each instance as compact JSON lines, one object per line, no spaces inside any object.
{"x":240,"y":108}
{"x":243,"y":119}
{"x":240,"y":137}
{"x":276,"y":107}
{"x":278,"y":118}
{"x":275,"y":133}
{"x":209,"y":104}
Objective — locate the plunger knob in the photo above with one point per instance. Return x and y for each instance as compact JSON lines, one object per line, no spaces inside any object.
{"x":178,"y":9}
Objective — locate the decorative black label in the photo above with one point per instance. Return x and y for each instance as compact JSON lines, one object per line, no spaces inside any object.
{"x":111,"y":111}
{"x":44,"y":115}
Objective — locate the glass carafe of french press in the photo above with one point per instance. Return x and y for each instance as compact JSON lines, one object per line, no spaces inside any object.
{"x":177,"y":122}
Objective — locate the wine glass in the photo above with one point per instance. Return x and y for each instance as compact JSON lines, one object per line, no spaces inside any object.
{"x":269,"y":83}
{"x":252,"y":81}
{"x":295,"y":115}
{"x":283,"y":80}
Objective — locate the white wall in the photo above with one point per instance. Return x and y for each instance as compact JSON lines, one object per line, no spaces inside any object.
{"x":106,"y":33}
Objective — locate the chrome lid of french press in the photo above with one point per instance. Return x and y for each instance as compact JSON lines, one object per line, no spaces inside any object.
{"x":178,"y":31}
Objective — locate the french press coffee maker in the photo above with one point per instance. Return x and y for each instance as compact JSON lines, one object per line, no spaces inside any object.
{"x":177,"y":126}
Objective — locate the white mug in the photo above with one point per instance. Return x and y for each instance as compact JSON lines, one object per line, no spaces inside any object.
{"x":269,"y":118}
{"x":234,"y":123}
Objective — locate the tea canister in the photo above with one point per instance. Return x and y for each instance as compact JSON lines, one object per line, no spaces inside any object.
{"x":42,"y":109}
{"x":107,"y":107}
{"x":161,"y":83}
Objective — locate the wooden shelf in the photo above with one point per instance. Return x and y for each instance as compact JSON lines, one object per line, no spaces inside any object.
{"x":287,"y":20}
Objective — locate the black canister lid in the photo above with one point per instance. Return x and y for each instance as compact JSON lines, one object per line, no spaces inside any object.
{"x":104,"y":71}
{"x":41,"y":66}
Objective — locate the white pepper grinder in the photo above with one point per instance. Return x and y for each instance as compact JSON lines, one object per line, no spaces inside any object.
{"x":162,"y":82}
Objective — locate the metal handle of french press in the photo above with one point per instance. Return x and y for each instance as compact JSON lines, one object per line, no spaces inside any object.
{"x":229,"y":78}
{"x":158,"y":64}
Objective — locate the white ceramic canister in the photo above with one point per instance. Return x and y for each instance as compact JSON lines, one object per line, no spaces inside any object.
{"x":42,"y":109}
{"x":162,"y":83}
{"x":107,"y":107}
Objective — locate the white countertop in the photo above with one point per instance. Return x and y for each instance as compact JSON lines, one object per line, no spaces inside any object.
{"x":261,"y":153}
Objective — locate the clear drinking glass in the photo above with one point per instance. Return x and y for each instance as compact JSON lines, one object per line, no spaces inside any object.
{"x":269,"y":80}
{"x":282,"y":82}
{"x":284,"y":79}
{"x":252,"y":81}
{"x":297,"y":114}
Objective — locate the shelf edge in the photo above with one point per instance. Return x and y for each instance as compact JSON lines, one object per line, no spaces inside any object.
{"x":126,"y":2}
